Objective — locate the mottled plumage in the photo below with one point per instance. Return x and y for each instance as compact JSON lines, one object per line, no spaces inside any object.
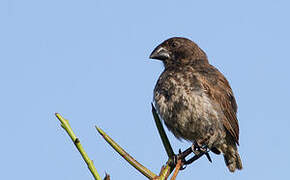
{"x":195,"y":100}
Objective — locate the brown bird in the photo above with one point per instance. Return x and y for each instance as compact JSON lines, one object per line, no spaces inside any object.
{"x":195,"y":100}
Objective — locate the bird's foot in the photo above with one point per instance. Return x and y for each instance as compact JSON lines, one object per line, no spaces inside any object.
{"x":200,"y":150}
{"x":196,"y":149}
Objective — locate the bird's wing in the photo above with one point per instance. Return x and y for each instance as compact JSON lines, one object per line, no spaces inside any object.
{"x":216,"y":86}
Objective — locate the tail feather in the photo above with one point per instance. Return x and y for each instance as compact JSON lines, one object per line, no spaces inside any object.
{"x":232,"y":157}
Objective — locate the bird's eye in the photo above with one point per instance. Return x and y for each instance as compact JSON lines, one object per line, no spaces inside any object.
{"x":174,"y":44}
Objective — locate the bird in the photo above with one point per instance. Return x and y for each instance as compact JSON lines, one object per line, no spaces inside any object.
{"x":195,"y":100}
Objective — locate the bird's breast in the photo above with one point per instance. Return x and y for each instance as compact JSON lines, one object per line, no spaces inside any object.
{"x":184,"y":106}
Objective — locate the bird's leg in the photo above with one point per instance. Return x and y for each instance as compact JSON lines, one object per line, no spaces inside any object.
{"x":184,"y":154}
{"x":195,"y":148}
{"x":199,"y":150}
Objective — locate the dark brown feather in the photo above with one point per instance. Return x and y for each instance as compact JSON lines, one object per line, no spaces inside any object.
{"x":216,"y":85}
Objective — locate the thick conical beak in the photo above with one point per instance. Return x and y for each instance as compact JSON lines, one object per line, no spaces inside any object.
{"x":160,"y":53}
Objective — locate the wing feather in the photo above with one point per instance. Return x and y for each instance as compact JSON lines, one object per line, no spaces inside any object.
{"x":216,"y":85}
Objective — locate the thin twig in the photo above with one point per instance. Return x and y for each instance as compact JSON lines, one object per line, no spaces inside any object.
{"x":146,"y":172}
{"x":177,"y":168}
{"x":162,"y":133}
{"x":65,"y":125}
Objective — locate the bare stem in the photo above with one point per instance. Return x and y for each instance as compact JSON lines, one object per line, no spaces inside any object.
{"x":177,"y":168}
{"x":146,"y":172}
{"x":162,"y":133}
{"x":65,"y":125}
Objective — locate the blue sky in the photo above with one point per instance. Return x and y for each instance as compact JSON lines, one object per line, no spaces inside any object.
{"x":88,"y":60}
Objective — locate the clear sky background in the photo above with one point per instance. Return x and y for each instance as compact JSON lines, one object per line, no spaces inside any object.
{"x":88,"y":60}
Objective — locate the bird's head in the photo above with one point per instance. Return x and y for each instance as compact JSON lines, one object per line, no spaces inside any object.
{"x":178,"y":51}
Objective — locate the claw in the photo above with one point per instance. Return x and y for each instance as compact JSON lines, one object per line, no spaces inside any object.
{"x":196,"y":149}
{"x":199,"y":151}
{"x":208,"y":157}
{"x":183,"y":167}
{"x":205,"y":150}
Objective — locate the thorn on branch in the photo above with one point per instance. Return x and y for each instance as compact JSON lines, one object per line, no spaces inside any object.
{"x":76,"y":141}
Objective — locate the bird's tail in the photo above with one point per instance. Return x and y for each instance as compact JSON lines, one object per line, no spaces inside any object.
{"x":231,"y":156}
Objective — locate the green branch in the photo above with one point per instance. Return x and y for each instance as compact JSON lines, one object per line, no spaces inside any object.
{"x":65,"y":125}
{"x":162,"y":133}
{"x":146,"y":172}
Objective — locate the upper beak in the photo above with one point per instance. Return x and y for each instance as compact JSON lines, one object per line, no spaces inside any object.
{"x":160,"y":53}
